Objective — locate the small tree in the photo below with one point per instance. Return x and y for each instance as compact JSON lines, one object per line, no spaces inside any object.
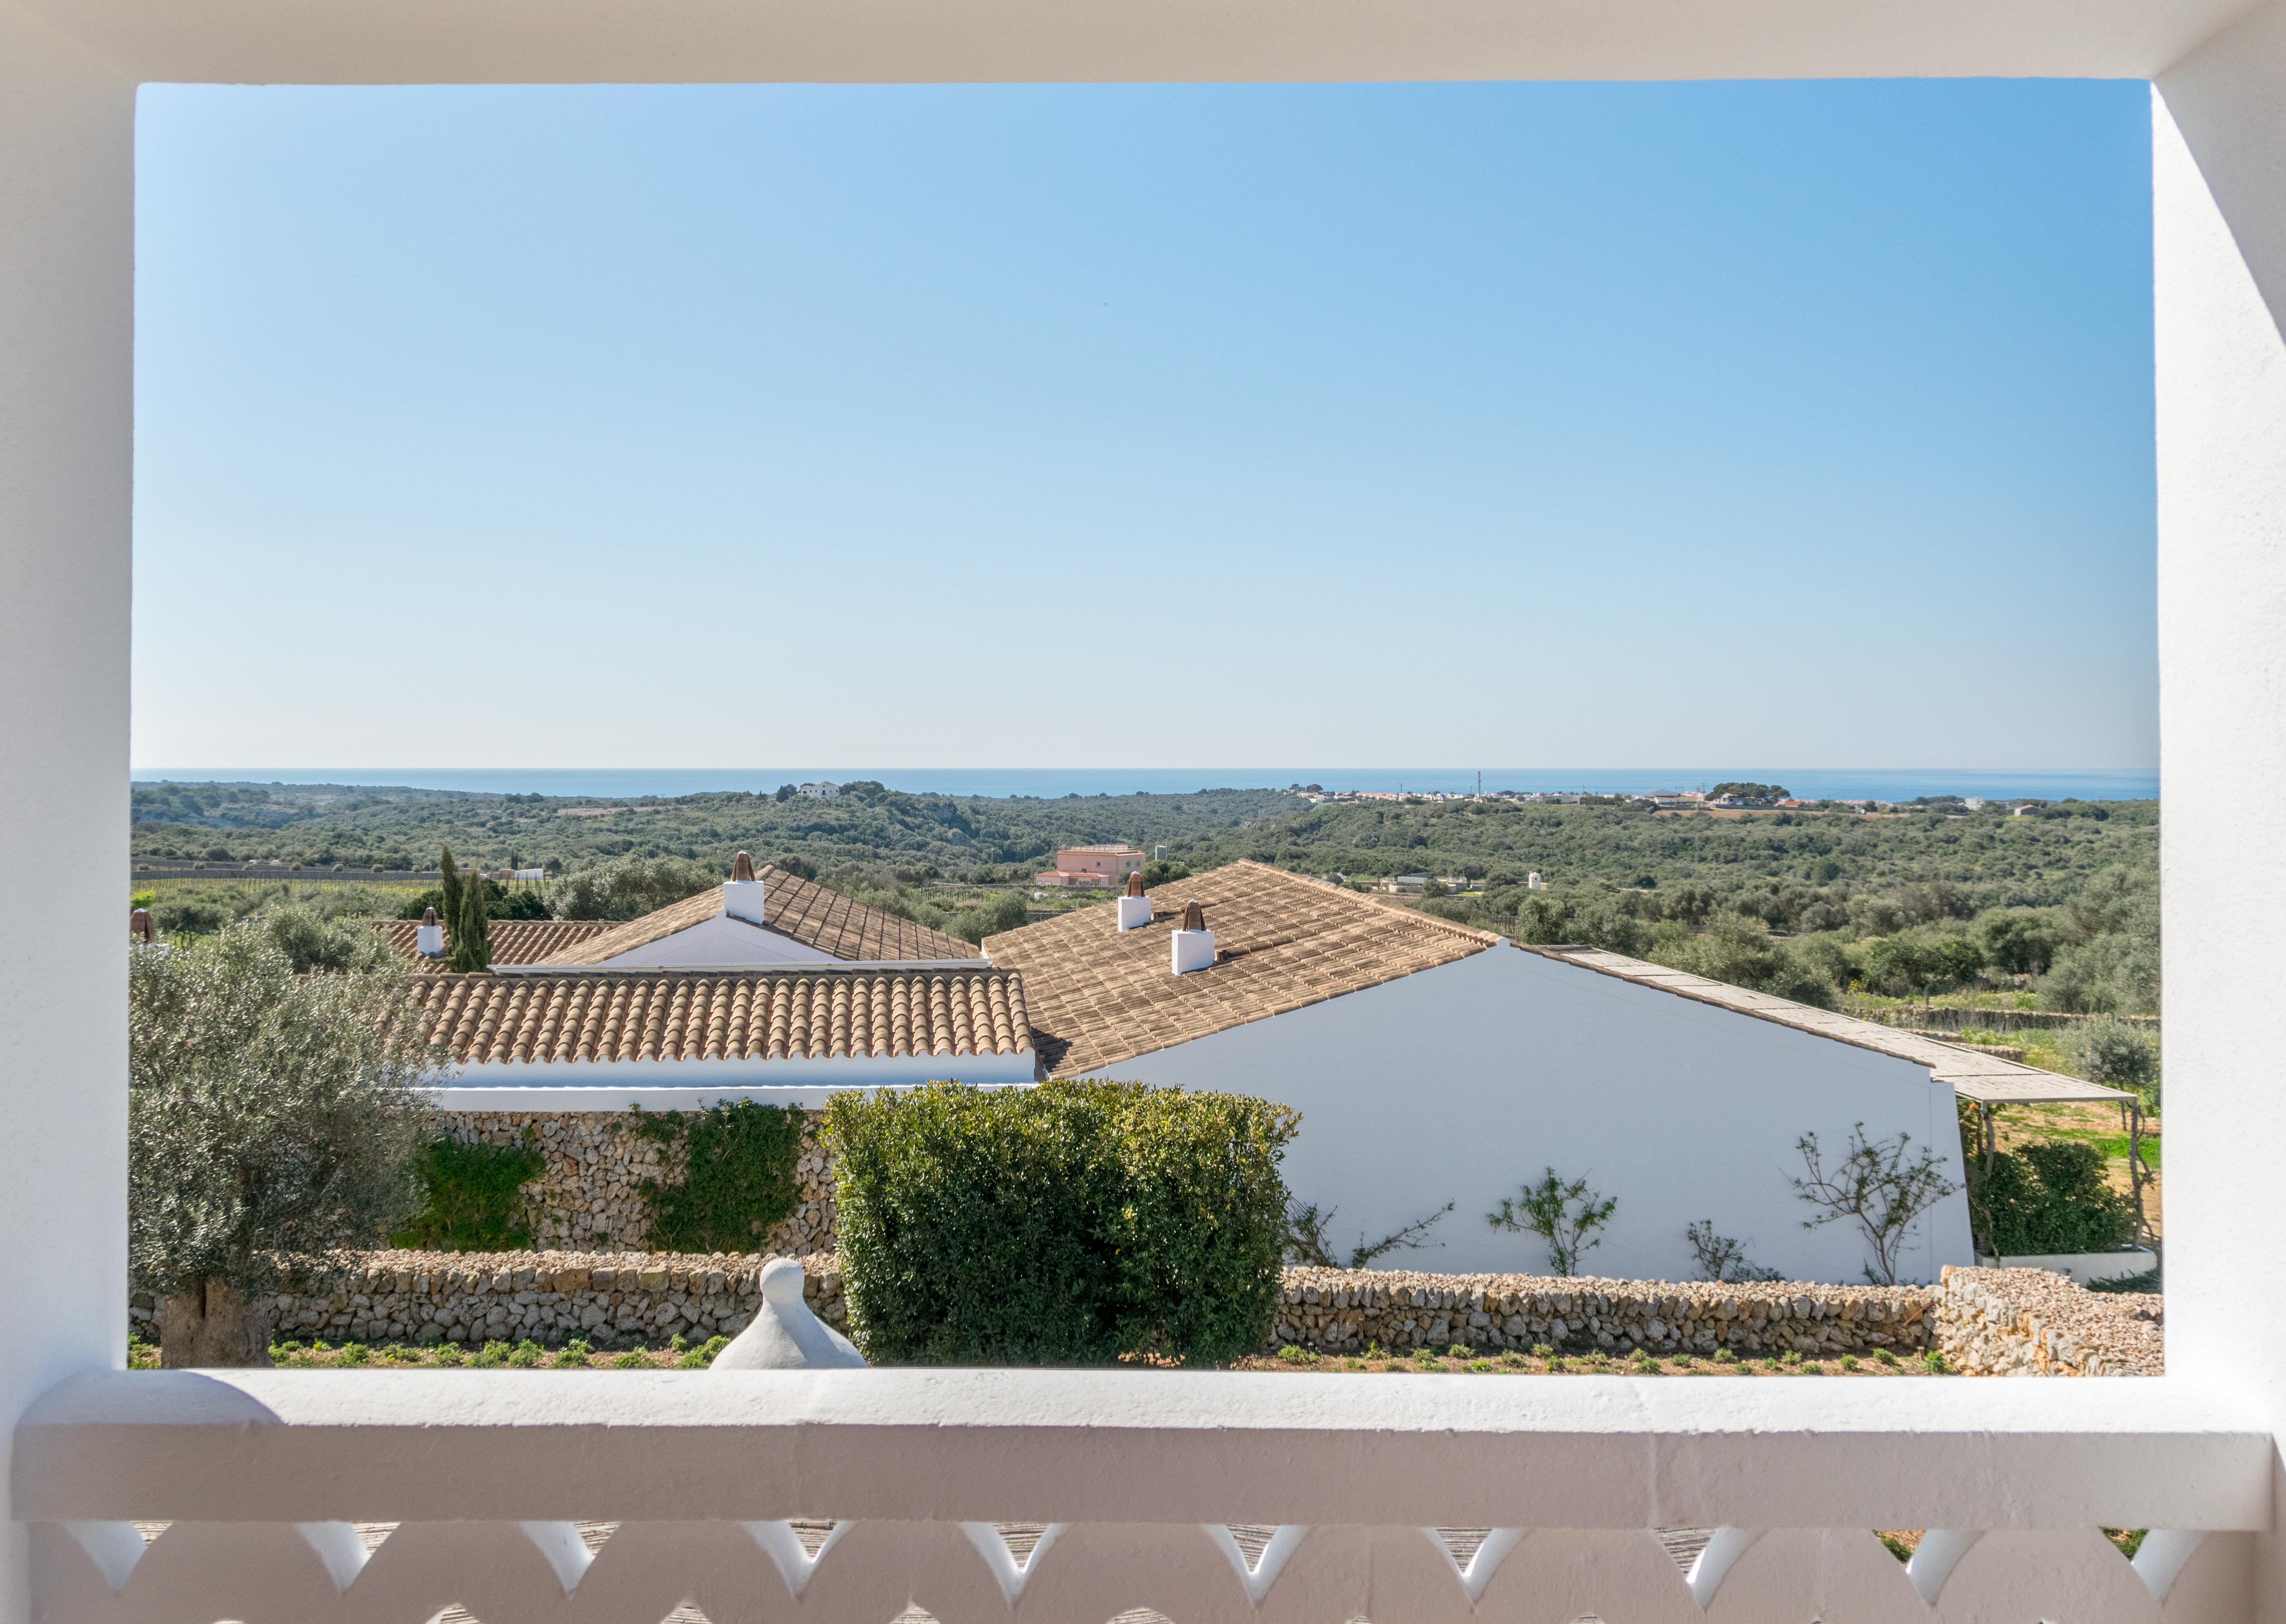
{"x":450,"y":885}
{"x":2114,"y":1053}
{"x":271,"y":1125}
{"x":1722,"y":1258}
{"x":1876,"y":1186}
{"x":471,"y":946}
{"x":1306,"y":1242}
{"x":1563,"y":1215}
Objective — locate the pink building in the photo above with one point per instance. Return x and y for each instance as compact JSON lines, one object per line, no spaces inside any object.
{"x":1091,"y":865}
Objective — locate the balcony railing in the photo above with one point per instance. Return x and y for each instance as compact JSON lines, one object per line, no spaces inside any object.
{"x":387,"y":1497}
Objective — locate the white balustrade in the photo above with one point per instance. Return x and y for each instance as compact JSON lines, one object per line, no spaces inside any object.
{"x":567,"y":1495}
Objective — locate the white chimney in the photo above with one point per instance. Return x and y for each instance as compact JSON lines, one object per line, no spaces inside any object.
{"x":1193,"y":947}
{"x":1534,"y":882}
{"x":429,"y":936}
{"x":742,"y":892}
{"x":1134,"y":908}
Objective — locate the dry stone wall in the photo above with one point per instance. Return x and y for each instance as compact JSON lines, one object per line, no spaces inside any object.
{"x":1350,"y":1309}
{"x":2032,"y":1322}
{"x":613,"y":1299}
{"x":590,"y":1194}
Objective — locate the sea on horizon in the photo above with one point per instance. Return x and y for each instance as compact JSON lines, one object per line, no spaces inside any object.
{"x":1840,"y":784}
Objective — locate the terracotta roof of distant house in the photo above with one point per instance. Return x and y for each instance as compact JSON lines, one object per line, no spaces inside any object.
{"x":1099,"y":994}
{"x":791,"y":906}
{"x":805,"y":1014}
{"x":1990,"y":1079}
{"x":515,"y":942}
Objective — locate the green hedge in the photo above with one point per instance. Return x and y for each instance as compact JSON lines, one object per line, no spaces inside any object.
{"x":2044,"y":1199}
{"x":1067,"y":1224}
{"x":473,"y":1198}
{"x":738,"y":1180}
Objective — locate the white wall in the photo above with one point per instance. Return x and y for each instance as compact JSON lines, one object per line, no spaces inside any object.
{"x":724,"y":941}
{"x":2218,"y":219}
{"x":66,"y":265}
{"x":1461,"y":1083}
{"x":609,"y":1085}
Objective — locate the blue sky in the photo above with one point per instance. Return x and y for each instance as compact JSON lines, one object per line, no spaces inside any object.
{"x":1214,"y":425}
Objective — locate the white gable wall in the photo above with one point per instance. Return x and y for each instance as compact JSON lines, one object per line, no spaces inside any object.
{"x":723,"y":941}
{"x":1460,"y":1083}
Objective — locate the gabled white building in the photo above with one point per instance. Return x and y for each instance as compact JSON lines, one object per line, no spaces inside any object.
{"x":1433,"y":1063}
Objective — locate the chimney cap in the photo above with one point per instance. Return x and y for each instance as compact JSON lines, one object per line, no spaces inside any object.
{"x":1135,"y":885}
{"x":427,"y":916}
{"x":742,"y":868}
{"x":1195,"y":918}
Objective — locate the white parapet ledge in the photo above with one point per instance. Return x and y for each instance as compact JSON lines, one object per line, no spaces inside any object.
{"x":1148,"y":1446}
{"x":669,"y":1086}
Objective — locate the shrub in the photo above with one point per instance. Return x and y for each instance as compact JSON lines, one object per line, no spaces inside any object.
{"x":629,"y":887}
{"x":1069,"y":1223}
{"x":492,"y":1355}
{"x":738,"y":1178}
{"x":272,"y":1121}
{"x":1566,"y":1215}
{"x":452,"y":1353}
{"x":2117,"y":1055}
{"x":2041,"y":1199}
{"x":474,"y":1198}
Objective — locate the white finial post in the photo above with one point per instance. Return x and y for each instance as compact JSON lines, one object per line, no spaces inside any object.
{"x":785,"y":1336}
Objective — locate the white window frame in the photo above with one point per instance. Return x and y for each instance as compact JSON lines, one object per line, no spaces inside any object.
{"x":68,"y":71}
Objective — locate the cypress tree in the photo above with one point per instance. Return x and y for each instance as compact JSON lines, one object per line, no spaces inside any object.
{"x":451,"y":887}
{"x":472,"y":944}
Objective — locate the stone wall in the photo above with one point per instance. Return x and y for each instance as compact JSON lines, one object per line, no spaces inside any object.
{"x":1350,"y":1309}
{"x":613,"y":1299}
{"x":2032,"y":1322}
{"x":590,"y":1194}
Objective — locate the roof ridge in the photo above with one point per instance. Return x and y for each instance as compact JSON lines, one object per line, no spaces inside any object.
{"x":1428,"y":921}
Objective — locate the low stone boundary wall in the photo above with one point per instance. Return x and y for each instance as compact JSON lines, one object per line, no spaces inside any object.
{"x":613,"y":1299}
{"x":590,"y":1194}
{"x":1985,"y":1321}
{"x":2032,"y":1322}
{"x":1350,"y":1309}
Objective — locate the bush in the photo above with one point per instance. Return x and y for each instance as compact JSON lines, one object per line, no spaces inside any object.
{"x":2117,"y":1055}
{"x":473,"y":1198}
{"x":1070,"y":1223}
{"x":271,"y":1116}
{"x":629,"y":887}
{"x":1002,"y":912}
{"x":738,"y":1180}
{"x":2042,"y":1199}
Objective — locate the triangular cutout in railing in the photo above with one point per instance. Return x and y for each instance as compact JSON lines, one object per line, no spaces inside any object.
{"x":114,"y":1548}
{"x":565,"y":1552}
{"x":1476,"y":1554}
{"x":1723,"y":1547}
{"x":794,"y":1557}
{"x":1259,"y":1575}
{"x":2159,"y":1560}
{"x":1937,"y":1553}
{"x":995,"y":1545}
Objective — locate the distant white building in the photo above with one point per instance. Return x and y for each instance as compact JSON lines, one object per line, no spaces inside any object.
{"x":819,"y":792}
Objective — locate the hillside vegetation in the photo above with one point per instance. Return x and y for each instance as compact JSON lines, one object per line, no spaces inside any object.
{"x":2058,"y":908}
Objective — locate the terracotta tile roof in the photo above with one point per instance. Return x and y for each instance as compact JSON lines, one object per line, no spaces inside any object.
{"x":1990,"y":1078}
{"x":740,"y":1015}
{"x":1100,"y":995}
{"x":806,"y":911}
{"x":515,"y":942}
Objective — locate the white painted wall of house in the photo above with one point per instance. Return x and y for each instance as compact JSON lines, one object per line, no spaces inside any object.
{"x":1458,"y":1084}
{"x":683,"y":1086}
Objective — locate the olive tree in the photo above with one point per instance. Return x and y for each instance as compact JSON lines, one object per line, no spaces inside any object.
{"x":272,"y":1120}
